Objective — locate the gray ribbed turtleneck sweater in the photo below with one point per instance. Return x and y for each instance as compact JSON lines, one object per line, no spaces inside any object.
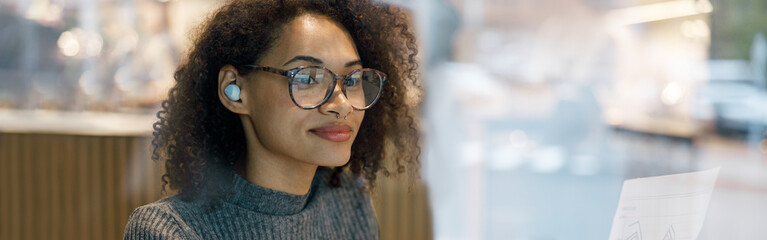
{"x":254,"y":212}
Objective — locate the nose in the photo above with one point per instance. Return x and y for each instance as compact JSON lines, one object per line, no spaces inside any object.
{"x":337,"y":104}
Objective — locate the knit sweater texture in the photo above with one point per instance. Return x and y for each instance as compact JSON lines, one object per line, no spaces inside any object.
{"x":254,"y":212}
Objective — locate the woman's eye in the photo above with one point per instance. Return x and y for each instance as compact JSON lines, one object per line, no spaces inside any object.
{"x":352,"y":82}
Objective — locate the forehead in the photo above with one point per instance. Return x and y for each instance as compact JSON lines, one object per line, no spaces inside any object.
{"x":312,"y":35}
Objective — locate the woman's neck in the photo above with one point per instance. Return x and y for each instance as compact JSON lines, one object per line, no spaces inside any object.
{"x":276,"y":172}
{"x":282,"y":175}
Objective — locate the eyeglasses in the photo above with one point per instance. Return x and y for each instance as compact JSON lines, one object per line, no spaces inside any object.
{"x":312,"y":86}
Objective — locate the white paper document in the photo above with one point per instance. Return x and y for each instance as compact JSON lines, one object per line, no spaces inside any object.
{"x":663,"y":208}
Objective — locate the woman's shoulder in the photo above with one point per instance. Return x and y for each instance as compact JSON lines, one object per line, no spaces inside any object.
{"x":158,"y":220}
{"x":351,"y":198}
{"x":350,"y":188}
{"x":346,"y":180}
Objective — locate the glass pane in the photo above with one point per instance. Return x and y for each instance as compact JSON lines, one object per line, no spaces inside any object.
{"x":371,"y":85}
{"x":539,"y":110}
{"x":354,"y":91}
{"x":309,"y":86}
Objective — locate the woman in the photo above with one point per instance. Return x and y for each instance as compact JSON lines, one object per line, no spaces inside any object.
{"x":280,"y":120}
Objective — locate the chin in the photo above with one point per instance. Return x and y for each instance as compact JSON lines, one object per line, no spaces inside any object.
{"x":336,"y":163}
{"x":334,"y":160}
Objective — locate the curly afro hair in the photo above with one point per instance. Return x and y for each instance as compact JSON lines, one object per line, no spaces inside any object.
{"x":202,"y":142}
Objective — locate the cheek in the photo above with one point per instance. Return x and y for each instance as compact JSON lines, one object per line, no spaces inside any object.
{"x":280,"y":116}
{"x":359,"y":116}
{"x":272,"y":110}
{"x":360,"y":119}
{"x":269,"y":97}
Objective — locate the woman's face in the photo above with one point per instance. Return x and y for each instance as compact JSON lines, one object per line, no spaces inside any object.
{"x":322,"y":136}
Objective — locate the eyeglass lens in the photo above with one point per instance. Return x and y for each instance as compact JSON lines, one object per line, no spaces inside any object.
{"x":310,"y":86}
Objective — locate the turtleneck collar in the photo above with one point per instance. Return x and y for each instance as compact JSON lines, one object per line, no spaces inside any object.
{"x":260,"y":199}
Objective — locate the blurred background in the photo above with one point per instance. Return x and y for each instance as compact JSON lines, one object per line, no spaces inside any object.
{"x":535,"y":112}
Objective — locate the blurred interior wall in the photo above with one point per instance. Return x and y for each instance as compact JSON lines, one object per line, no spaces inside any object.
{"x":73,"y":186}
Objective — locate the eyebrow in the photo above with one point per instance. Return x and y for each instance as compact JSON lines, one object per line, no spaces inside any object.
{"x":352,"y":63}
{"x":315,"y":60}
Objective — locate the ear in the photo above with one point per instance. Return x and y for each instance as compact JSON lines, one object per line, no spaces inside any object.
{"x":226,"y":76}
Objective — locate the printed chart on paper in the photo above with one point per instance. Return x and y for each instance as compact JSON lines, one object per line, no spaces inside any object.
{"x":671,"y":207}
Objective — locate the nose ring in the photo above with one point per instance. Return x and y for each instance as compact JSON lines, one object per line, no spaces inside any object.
{"x":338,"y":116}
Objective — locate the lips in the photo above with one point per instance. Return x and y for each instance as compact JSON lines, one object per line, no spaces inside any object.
{"x":335,"y":133}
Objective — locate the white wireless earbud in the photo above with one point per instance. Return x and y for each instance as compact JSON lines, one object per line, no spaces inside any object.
{"x":232,"y":91}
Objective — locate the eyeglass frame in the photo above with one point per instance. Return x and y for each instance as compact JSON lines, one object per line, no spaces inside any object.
{"x":291,"y":73}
